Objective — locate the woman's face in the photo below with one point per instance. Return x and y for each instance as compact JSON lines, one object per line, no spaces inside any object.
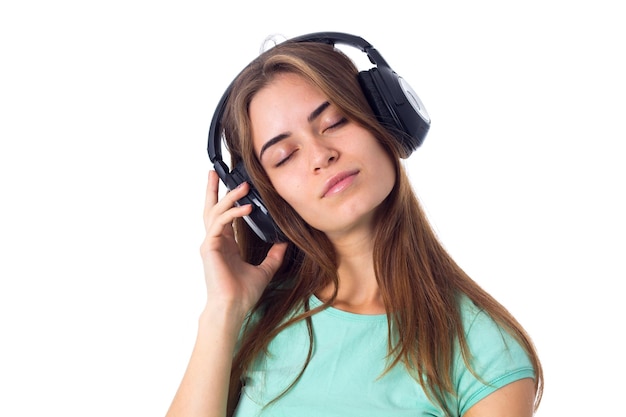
{"x":332,"y":171}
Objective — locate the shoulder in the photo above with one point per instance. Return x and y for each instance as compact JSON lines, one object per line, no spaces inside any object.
{"x":496,"y":357}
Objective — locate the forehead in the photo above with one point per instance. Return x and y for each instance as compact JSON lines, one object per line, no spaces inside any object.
{"x":286,"y":87}
{"x":280,"y":106}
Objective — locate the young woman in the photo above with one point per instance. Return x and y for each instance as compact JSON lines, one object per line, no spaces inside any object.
{"x":360,"y":311}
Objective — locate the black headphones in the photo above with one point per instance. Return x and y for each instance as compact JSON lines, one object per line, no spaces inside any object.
{"x":395,"y":104}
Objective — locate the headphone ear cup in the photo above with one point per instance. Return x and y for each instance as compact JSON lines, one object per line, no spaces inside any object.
{"x":259,"y":219}
{"x":382,"y":110}
{"x":396,"y":106}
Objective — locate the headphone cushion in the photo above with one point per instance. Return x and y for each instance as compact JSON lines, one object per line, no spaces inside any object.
{"x":375,"y":99}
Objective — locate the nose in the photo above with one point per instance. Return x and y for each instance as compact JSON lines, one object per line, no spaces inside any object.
{"x":322,"y":155}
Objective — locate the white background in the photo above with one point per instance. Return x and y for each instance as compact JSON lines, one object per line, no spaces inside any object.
{"x":104,"y":113}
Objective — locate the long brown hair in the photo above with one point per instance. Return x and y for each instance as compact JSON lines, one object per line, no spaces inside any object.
{"x":419,"y":282}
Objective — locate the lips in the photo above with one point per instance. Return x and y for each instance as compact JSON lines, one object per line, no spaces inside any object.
{"x":338,"y":183}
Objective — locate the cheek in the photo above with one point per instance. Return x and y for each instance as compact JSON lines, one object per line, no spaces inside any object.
{"x":300,"y":198}
{"x":291,"y":189}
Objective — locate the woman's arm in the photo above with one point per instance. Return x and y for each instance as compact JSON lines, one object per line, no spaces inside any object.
{"x":204,"y":387}
{"x":516,"y":399}
{"x":233,"y":287}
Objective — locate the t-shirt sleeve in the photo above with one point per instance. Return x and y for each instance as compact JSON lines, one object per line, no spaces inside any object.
{"x":497,"y":358}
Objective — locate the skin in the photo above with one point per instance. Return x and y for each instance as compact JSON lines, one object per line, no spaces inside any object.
{"x":318,"y":148}
{"x":513,"y":400}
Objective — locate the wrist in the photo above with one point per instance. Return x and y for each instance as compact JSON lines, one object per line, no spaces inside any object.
{"x":227,"y":317}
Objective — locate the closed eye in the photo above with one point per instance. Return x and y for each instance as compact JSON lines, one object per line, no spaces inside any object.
{"x":282,"y":161}
{"x":341,"y":122}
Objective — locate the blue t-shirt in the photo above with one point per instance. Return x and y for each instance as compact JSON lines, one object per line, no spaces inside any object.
{"x":346,"y":378}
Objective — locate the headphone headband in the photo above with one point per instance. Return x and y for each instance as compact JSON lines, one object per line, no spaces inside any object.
{"x":333,"y":38}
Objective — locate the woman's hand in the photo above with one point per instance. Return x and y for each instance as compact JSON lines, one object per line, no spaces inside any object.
{"x":231,"y":282}
{"x":233,"y":287}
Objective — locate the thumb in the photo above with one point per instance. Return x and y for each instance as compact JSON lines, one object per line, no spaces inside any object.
{"x":273,"y":260}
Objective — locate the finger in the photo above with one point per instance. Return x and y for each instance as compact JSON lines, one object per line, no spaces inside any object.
{"x":222,"y":223}
{"x":212,"y":189}
{"x":235,"y":194}
{"x":212,"y":195}
{"x":220,"y":212}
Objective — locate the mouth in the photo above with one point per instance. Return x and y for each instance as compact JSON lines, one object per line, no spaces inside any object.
{"x":338,"y":183}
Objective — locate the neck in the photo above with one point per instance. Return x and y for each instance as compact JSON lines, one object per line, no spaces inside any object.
{"x":358,"y":290}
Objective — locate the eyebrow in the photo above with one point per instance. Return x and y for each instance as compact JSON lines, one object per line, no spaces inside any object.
{"x":314,"y":115}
